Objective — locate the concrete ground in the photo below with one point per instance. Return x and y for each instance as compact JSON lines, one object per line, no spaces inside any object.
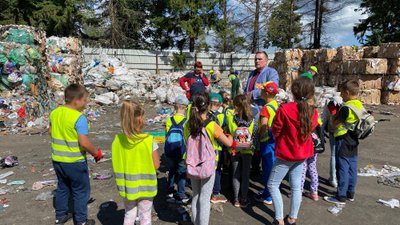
{"x":34,"y":157}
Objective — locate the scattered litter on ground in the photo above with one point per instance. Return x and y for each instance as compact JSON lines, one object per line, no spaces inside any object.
{"x":3,"y":181}
{"x":9,"y":161}
{"x":336,"y":209}
{"x":392,"y":203}
{"x":42,"y":184}
{"x":102,"y":175}
{"x":3,"y":191}
{"x":6,"y":174}
{"x":388,"y":175}
{"x":44,"y":196}
{"x":16,"y":182}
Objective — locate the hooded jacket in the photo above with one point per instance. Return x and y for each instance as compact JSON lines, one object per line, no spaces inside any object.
{"x":289,"y":145}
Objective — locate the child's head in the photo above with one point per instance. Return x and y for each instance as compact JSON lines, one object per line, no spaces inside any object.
{"x":76,"y":96}
{"x":225,"y":97}
{"x":132,"y":118}
{"x":268,"y":90}
{"x":349,"y":90}
{"x":200,"y":107}
{"x":303,"y":91}
{"x":216,"y":101}
{"x":242,"y":107}
{"x":181,"y":103}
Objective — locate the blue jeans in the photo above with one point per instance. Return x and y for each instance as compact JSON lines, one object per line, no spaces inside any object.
{"x":279,"y":171}
{"x":268,"y":158}
{"x":332,"y":171}
{"x":73,"y":179}
{"x":346,"y":174}
{"x":177,"y":174}
{"x":217,"y":182}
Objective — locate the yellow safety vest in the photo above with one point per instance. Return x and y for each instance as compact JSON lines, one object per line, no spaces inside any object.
{"x":189,"y":109}
{"x":132,"y":161}
{"x":272,"y":107}
{"x":64,"y":137}
{"x":232,"y":126}
{"x":351,"y":119}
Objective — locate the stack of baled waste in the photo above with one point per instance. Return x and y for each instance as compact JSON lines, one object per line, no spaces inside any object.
{"x":113,"y":75}
{"x":24,"y":97}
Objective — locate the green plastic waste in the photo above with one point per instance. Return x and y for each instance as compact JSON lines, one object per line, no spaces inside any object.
{"x":1,"y":49}
{"x":18,"y":56}
{"x":63,"y":79}
{"x":33,"y":54}
{"x":27,"y":80}
{"x":3,"y":58}
{"x":3,"y":87}
{"x":19,"y":36}
{"x":5,"y":82}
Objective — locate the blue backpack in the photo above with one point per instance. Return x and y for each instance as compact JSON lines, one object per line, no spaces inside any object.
{"x":175,"y":145}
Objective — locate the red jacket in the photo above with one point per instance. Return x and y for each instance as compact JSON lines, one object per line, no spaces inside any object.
{"x":289,"y":146}
{"x":190,"y":78}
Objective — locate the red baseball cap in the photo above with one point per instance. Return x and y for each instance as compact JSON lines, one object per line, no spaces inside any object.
{"x":198,"y":64}
{"x":269,"y":87}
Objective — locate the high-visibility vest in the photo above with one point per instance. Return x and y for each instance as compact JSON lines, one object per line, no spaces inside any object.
{"x":189,"y":110}
{"x":232,"y":126}
{"x":132,"y":161}
{"x":351,"y":119}
{"x":272,"y":107}
{"x":64,"y":137}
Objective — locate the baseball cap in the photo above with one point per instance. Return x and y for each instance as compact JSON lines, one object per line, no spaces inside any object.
{"x":215,"y":97}
{"x":181,"y":100}
{"x":269,"y":87}
{"x":314,"y":68}
{"x":198,"y":64}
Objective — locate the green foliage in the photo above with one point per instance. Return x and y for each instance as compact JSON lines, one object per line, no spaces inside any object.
{"x":382,"y":24}
{"x":178,"y":61}
{"x":284,"y":26}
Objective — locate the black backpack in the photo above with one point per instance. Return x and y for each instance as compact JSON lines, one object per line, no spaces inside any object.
{"x":318,"y":138}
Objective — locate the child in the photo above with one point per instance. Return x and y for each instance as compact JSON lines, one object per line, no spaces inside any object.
{"x":267,"y":142}
{"x":346,"y":144}
{"x":175,"y":147}
{"x":135,"y":160}
{"x":226,"y":101}
{"x":241,"y":120}
{"x":69,"y":131}
{"x":292,"y":129}
{"x":219,"y":118}
{"x":202,"y":188}
{"x":233,"y":77}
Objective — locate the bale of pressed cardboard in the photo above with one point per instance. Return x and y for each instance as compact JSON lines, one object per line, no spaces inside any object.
{"x":393,"y":66}
{"x":310,"y":56}
{"x":326,"y":54}
{"x":370,"y":51}
{"x":345,"y":53}
{"x":332,"y":79}
{"x":389,"y":50}
{"x":365,"y":66}
{"x":289,"y":55}
{"x":391,"y":97}
{"x":286,"y":79}
{"x":335,"y":67}
{"x":370,"y":97}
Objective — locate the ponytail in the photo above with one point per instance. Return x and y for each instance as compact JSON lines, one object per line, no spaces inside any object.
{"x":200,"y":106}
{"x":303,"y":91}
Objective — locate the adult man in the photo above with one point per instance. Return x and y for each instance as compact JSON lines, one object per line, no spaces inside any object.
{"x":311,"y":72}
{"x":197,"y":77}
{"x":234,"y":79}
{"x":260,"y":75}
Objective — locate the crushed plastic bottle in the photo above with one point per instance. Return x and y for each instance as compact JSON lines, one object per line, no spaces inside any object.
{"x":44,"y":196}
{"x":336,"y":210}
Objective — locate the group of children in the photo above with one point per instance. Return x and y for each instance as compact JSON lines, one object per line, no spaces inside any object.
{"x":202,"y":135}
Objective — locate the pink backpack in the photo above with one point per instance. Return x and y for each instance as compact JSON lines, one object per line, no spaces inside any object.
{"x":200,"y":156}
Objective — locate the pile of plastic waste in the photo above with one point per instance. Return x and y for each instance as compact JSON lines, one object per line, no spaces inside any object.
{"x":112,"y":74}
{"x":387,"y":175}
{"x":24,"y":99}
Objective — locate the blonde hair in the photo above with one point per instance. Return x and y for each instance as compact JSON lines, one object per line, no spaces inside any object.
{"x":132,"y":119}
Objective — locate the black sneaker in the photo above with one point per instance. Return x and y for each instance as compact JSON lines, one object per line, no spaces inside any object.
{"x":89,"y":222}
{"x":286,"y":220}
{"x":244,"y":203}
{"x":350,"y":196}
{"x":63,"y":220}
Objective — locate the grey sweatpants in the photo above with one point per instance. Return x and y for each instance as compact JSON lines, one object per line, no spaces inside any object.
{"x":241,"y":175}
{"x":202,"y":190}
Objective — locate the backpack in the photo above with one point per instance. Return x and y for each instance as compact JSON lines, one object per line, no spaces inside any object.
{"x":366,"y":124}
{"x":175,"y":145}
{"x":200,"y":156}
{"x":243,"y":138}
{"x":318,"y":138}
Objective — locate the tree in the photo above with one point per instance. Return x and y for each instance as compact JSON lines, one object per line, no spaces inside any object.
{"x":16,"y":11}
{"x":284,"y":26}
{"x":382,"y":24}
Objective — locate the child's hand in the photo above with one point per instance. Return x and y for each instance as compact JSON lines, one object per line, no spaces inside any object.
{"x":99,"y":155}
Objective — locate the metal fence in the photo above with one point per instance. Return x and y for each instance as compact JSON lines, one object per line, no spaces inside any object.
{"x":160,"y":61}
